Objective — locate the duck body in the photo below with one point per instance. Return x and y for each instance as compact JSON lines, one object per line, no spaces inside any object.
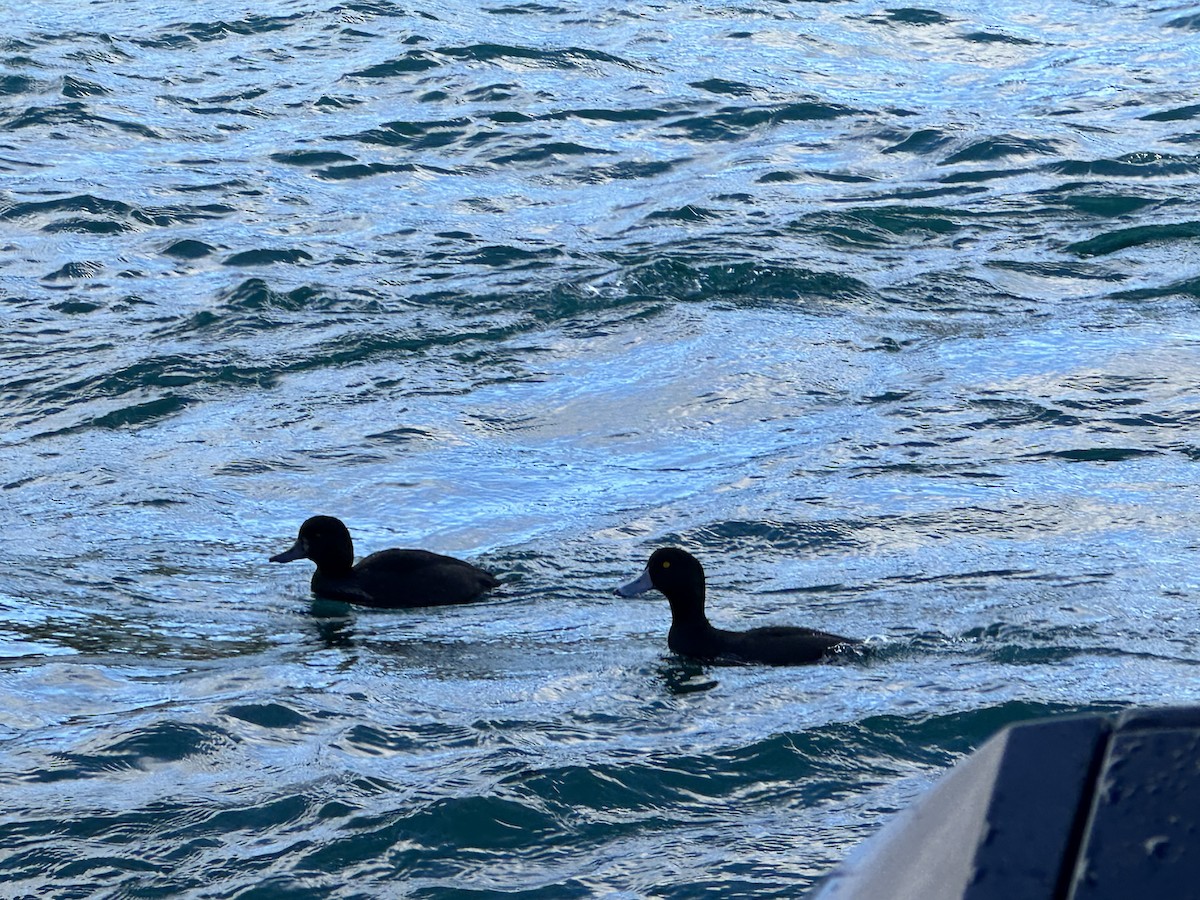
{"x":771,"y":645}
{"x":680,"y":577}
{"x":389,"y":579}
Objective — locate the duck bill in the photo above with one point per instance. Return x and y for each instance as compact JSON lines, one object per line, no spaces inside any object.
{"x":297,"y":552}
{"x":639,"y":586}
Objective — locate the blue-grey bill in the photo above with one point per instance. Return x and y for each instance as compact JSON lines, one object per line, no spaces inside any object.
{"x":297,"y":552}
{"x":640,"y":586}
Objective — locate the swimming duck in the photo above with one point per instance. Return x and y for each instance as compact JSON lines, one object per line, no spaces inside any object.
{"x":390,"y":578}
{"x":679,"y":575}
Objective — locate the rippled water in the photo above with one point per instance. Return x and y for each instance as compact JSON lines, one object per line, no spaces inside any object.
{"x":889,"y":314}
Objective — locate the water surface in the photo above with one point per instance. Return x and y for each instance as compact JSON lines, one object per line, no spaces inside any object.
{"x":887,"y":314}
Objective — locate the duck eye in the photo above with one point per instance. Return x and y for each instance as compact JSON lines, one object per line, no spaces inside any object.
{"x":666,"y":564}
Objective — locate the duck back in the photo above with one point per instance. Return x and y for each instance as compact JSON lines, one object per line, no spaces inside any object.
{"x":402,"y":578}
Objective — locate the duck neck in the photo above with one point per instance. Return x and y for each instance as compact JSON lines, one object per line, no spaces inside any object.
{"x":687,"y":610}
{"x":336,"y":560}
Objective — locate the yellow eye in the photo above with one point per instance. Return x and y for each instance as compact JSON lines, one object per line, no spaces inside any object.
{"x":666,"y":564}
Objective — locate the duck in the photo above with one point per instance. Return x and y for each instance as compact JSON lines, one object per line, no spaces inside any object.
{"x":388,"y":579}
{"x":680,"y":577}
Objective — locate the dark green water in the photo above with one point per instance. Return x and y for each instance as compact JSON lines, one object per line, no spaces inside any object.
{"x":888,"y":314}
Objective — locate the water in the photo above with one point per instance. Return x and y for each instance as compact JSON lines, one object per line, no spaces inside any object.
{"x":888,"y":314}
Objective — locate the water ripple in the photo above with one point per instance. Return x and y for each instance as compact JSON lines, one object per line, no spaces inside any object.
{"x":888,"y":314}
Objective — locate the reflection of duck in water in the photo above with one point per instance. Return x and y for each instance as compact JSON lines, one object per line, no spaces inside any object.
{"x":390,"y":578}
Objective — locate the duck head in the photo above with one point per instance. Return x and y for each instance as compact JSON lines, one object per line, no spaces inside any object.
{"x":326,"y":541}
